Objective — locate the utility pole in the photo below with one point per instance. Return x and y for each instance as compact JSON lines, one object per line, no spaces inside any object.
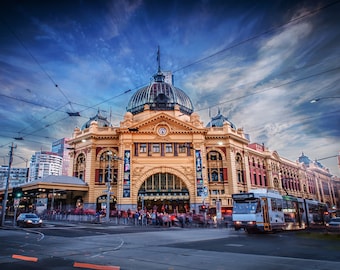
{"x":4,"y":202}
{"x":108,"y":195}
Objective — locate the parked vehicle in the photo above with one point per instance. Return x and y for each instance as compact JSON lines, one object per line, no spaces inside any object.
{"x":29,"y":220}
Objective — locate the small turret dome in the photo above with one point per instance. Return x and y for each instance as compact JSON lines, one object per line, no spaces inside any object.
{"x":219,"y":120}
{"x":100,"y":119}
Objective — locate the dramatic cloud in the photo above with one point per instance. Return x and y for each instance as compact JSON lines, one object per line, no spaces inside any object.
{"x":258,"y":63}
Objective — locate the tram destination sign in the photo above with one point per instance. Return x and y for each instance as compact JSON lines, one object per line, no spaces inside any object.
{"x":243,"y":196}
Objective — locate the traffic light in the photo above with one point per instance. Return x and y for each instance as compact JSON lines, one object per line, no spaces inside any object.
{"x":17,"y":192}
{"x":203,"y":208}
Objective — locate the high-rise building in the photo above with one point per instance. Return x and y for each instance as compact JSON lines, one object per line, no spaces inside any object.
{"x":45,"y":163}
{"x":18,"y":176}
{"x":60,"y":147}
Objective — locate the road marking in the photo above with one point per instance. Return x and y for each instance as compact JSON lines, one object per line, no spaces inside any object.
{"x":234,"y":245}
{"x":24,"y":258}
{"x":95,"y":266}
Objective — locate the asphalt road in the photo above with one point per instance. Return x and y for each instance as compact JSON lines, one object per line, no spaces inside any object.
{"x":95,"y":246}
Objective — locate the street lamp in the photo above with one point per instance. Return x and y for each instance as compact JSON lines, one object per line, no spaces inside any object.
{"x":108,"y":196}
{"x":318,"y":99}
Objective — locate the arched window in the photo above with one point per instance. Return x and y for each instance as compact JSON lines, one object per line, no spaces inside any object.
{"x":163,"y":182}
{"x":216,"y":171}
{"x":239,"y":168}
{"x":108,"y":169}
{"x":79,"y":169}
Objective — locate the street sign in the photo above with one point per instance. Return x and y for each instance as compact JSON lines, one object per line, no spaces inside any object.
{"x":16,"y":202}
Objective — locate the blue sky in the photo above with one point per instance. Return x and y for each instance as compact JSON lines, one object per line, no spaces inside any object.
{"x":259,"y":62}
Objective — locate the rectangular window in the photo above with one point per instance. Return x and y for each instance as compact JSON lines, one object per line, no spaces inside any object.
{"x":274,"y":205}
{"x":182,"y":148}
{"x":155,"y":148}
{"x":168,"y":148}
{"x":149,"y":184}
{"x":170,"y":182}
{"x":156,"y":181}
{"x":177,"y":183}
{"x":163,"y":181}
{"x":142,"y":148}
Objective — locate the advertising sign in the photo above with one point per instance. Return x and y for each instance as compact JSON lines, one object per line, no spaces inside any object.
{"x":126,"y":179}
{"x":41,"y":205}
{"x":199,"y":176}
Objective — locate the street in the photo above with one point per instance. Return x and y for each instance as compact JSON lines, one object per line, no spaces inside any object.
{"x":100,"y":246}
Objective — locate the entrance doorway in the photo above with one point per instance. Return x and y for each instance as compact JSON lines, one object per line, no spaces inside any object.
{"x":165,"y":193}
{"x":165,"y":205}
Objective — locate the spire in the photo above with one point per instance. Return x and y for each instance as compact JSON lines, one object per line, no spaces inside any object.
{"x":159,"y":77}
{"x":159,"y":59}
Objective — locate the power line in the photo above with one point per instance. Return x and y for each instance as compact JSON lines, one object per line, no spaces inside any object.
{"x":32,"y":103}
{"x":258,"y":35}
{"x":271,"y":88}
{"x":36,"y":61}
{"x":193,"y":63}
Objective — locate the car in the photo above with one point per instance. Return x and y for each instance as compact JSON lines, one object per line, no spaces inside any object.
{"x":334,"y":224}
{"x":29,"y":220}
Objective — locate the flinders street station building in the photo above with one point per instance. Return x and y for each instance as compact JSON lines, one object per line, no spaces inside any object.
{"x":162,"y":156}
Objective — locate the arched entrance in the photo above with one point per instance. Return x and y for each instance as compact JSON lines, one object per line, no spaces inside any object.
{"x":164,"y":192}
{"x":102,"y":201}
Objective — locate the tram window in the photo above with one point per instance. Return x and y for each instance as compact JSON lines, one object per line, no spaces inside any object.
{"x":279,"y":204}
{"x":274,"y":205}
{"x":246,"y":207}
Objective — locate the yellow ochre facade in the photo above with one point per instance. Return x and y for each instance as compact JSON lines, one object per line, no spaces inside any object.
{"x":163,"y":156}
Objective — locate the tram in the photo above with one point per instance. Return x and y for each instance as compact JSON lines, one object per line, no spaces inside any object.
{"x":266,"y":210}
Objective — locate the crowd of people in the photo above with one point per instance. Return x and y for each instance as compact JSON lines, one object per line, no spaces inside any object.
{"x":141,"y":217}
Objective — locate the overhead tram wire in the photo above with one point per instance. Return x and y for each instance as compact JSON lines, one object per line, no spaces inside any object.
{"x":37,"y":62}
{"x":257,"y":35}
{"x":270,"y":88}
{"x":44,"y":117}
{"x":184,"y":67}
{"x":297,"y":121}
{"x":277,"y":75}
{"x":57,"y":121}
{"x":33,"y":103}
{"x":244,"y":96}
{"x":250,"y":39}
